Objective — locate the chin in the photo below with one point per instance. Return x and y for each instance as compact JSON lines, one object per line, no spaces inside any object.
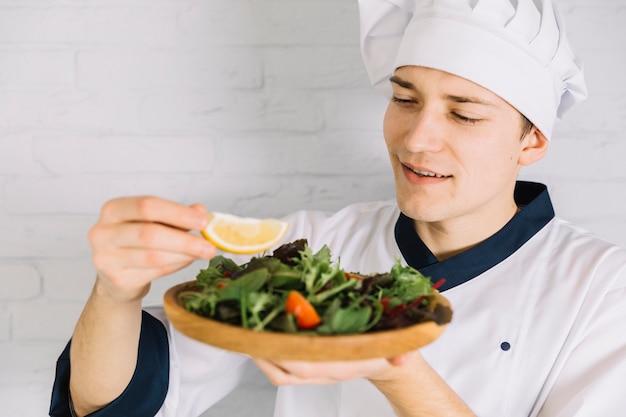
{"x":418,"y":209}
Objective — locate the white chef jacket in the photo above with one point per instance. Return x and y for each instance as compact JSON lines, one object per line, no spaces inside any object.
{"x":538,"y":326}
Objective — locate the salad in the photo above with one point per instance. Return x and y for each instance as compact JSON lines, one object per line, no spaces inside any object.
{"x":295,"y":290}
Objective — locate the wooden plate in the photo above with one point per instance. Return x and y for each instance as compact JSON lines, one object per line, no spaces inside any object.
{"x":274,"y":345}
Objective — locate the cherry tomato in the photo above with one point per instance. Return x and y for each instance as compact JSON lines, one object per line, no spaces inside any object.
{"x":303,"y":311}
{"x":385,"y":301}
{"x":352,"y":275}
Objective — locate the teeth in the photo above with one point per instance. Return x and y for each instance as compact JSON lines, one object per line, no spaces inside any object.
{"x":428,"y":174}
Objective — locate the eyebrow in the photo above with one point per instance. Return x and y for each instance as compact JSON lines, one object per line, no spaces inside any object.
{"x":404,"y":84}
{"x":450,"y":97}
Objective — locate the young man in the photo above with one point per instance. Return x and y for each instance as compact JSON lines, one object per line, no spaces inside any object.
{"x":475,"y":88}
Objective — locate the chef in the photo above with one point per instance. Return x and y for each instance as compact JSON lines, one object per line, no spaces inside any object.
{"x":475,"y":88}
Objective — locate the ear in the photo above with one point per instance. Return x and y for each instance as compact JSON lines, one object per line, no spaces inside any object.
{"x":534,"y":147}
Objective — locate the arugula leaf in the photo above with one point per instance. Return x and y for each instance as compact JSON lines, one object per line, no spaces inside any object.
{"x":408,"y":285}
{"x":219,"y":267}
{"x":351,"y":320}
{"x":260,"y":302}
{"x":357,"y":317}
{"x":322,"y":296}
{"x":318,"y":269}
{"x":252,"y":281}
{"x":242,"y":288}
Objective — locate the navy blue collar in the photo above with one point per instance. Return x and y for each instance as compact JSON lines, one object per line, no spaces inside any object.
{"x":536,"y":212}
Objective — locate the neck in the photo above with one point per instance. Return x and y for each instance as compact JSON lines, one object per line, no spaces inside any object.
{"x":450,"y":237}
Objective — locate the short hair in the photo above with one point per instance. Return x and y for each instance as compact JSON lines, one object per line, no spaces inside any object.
{"x":527,"y":126}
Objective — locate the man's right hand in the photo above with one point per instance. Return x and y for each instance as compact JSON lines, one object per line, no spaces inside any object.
{"x":139,"y":239}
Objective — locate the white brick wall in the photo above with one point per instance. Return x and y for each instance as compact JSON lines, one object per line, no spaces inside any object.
{"x":257,"y":107}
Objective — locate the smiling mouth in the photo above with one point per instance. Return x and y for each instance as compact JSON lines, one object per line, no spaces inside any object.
{"x":427,"y":173}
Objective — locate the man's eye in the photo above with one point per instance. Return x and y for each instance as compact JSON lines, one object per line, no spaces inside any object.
{"x":401,"y":100}
{"x":467,"y":120}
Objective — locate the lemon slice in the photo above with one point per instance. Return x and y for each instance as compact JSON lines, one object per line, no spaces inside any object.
{"x":243,"y":235}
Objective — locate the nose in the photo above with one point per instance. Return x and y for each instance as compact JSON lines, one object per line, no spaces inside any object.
{"x":424,"y":133}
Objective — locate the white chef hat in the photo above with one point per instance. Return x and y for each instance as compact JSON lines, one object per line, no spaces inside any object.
{"x":517,"y":49}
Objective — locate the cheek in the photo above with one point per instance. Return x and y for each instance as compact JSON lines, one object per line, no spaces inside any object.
{"x":393,"y":126}
{"x":387,"y":125}
{"x":490,"y":158}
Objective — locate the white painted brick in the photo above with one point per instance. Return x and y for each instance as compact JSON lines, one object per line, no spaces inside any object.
{"x":26,"y":394}
{"x":21,"y":109}
{"x":83,"y":194}
{"x":36,"y":70}
{"x":597,"y":205}
{"x":44,"y":236}
{"x":250,"y":111}
{"x":124,"y":154}
{"x":615,"y":4}
{"x":607,"y":198}
{"x":612,"y":229}
{"x":68,"y":280}
{"x":315,"y":68}
{"x":121,"y":24}
{"x":106,"y":112}
{"x":54,"y":195}
{"x":354,"y":110}
{"x":326,"y":153}
{"x":5,"y":324}
{"x":16,"y":154}
{"x":3,"y":181}
{"x":597,"y":24}
{"x":30,"y":356}
{"x":271,"y":22}
{"x":282,"y":111}
{"x":19,"y":281}
{"x":603,"y":70}
{"x":172,"y":69}
{"x":572,"y":159}
{"x":182,"y":113}
{"x":44,"y":320}
{"x":284,"y":194}
{"x":597,"y":114}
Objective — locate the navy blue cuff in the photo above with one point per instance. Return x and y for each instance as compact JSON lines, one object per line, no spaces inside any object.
{"x":144,"y":395}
